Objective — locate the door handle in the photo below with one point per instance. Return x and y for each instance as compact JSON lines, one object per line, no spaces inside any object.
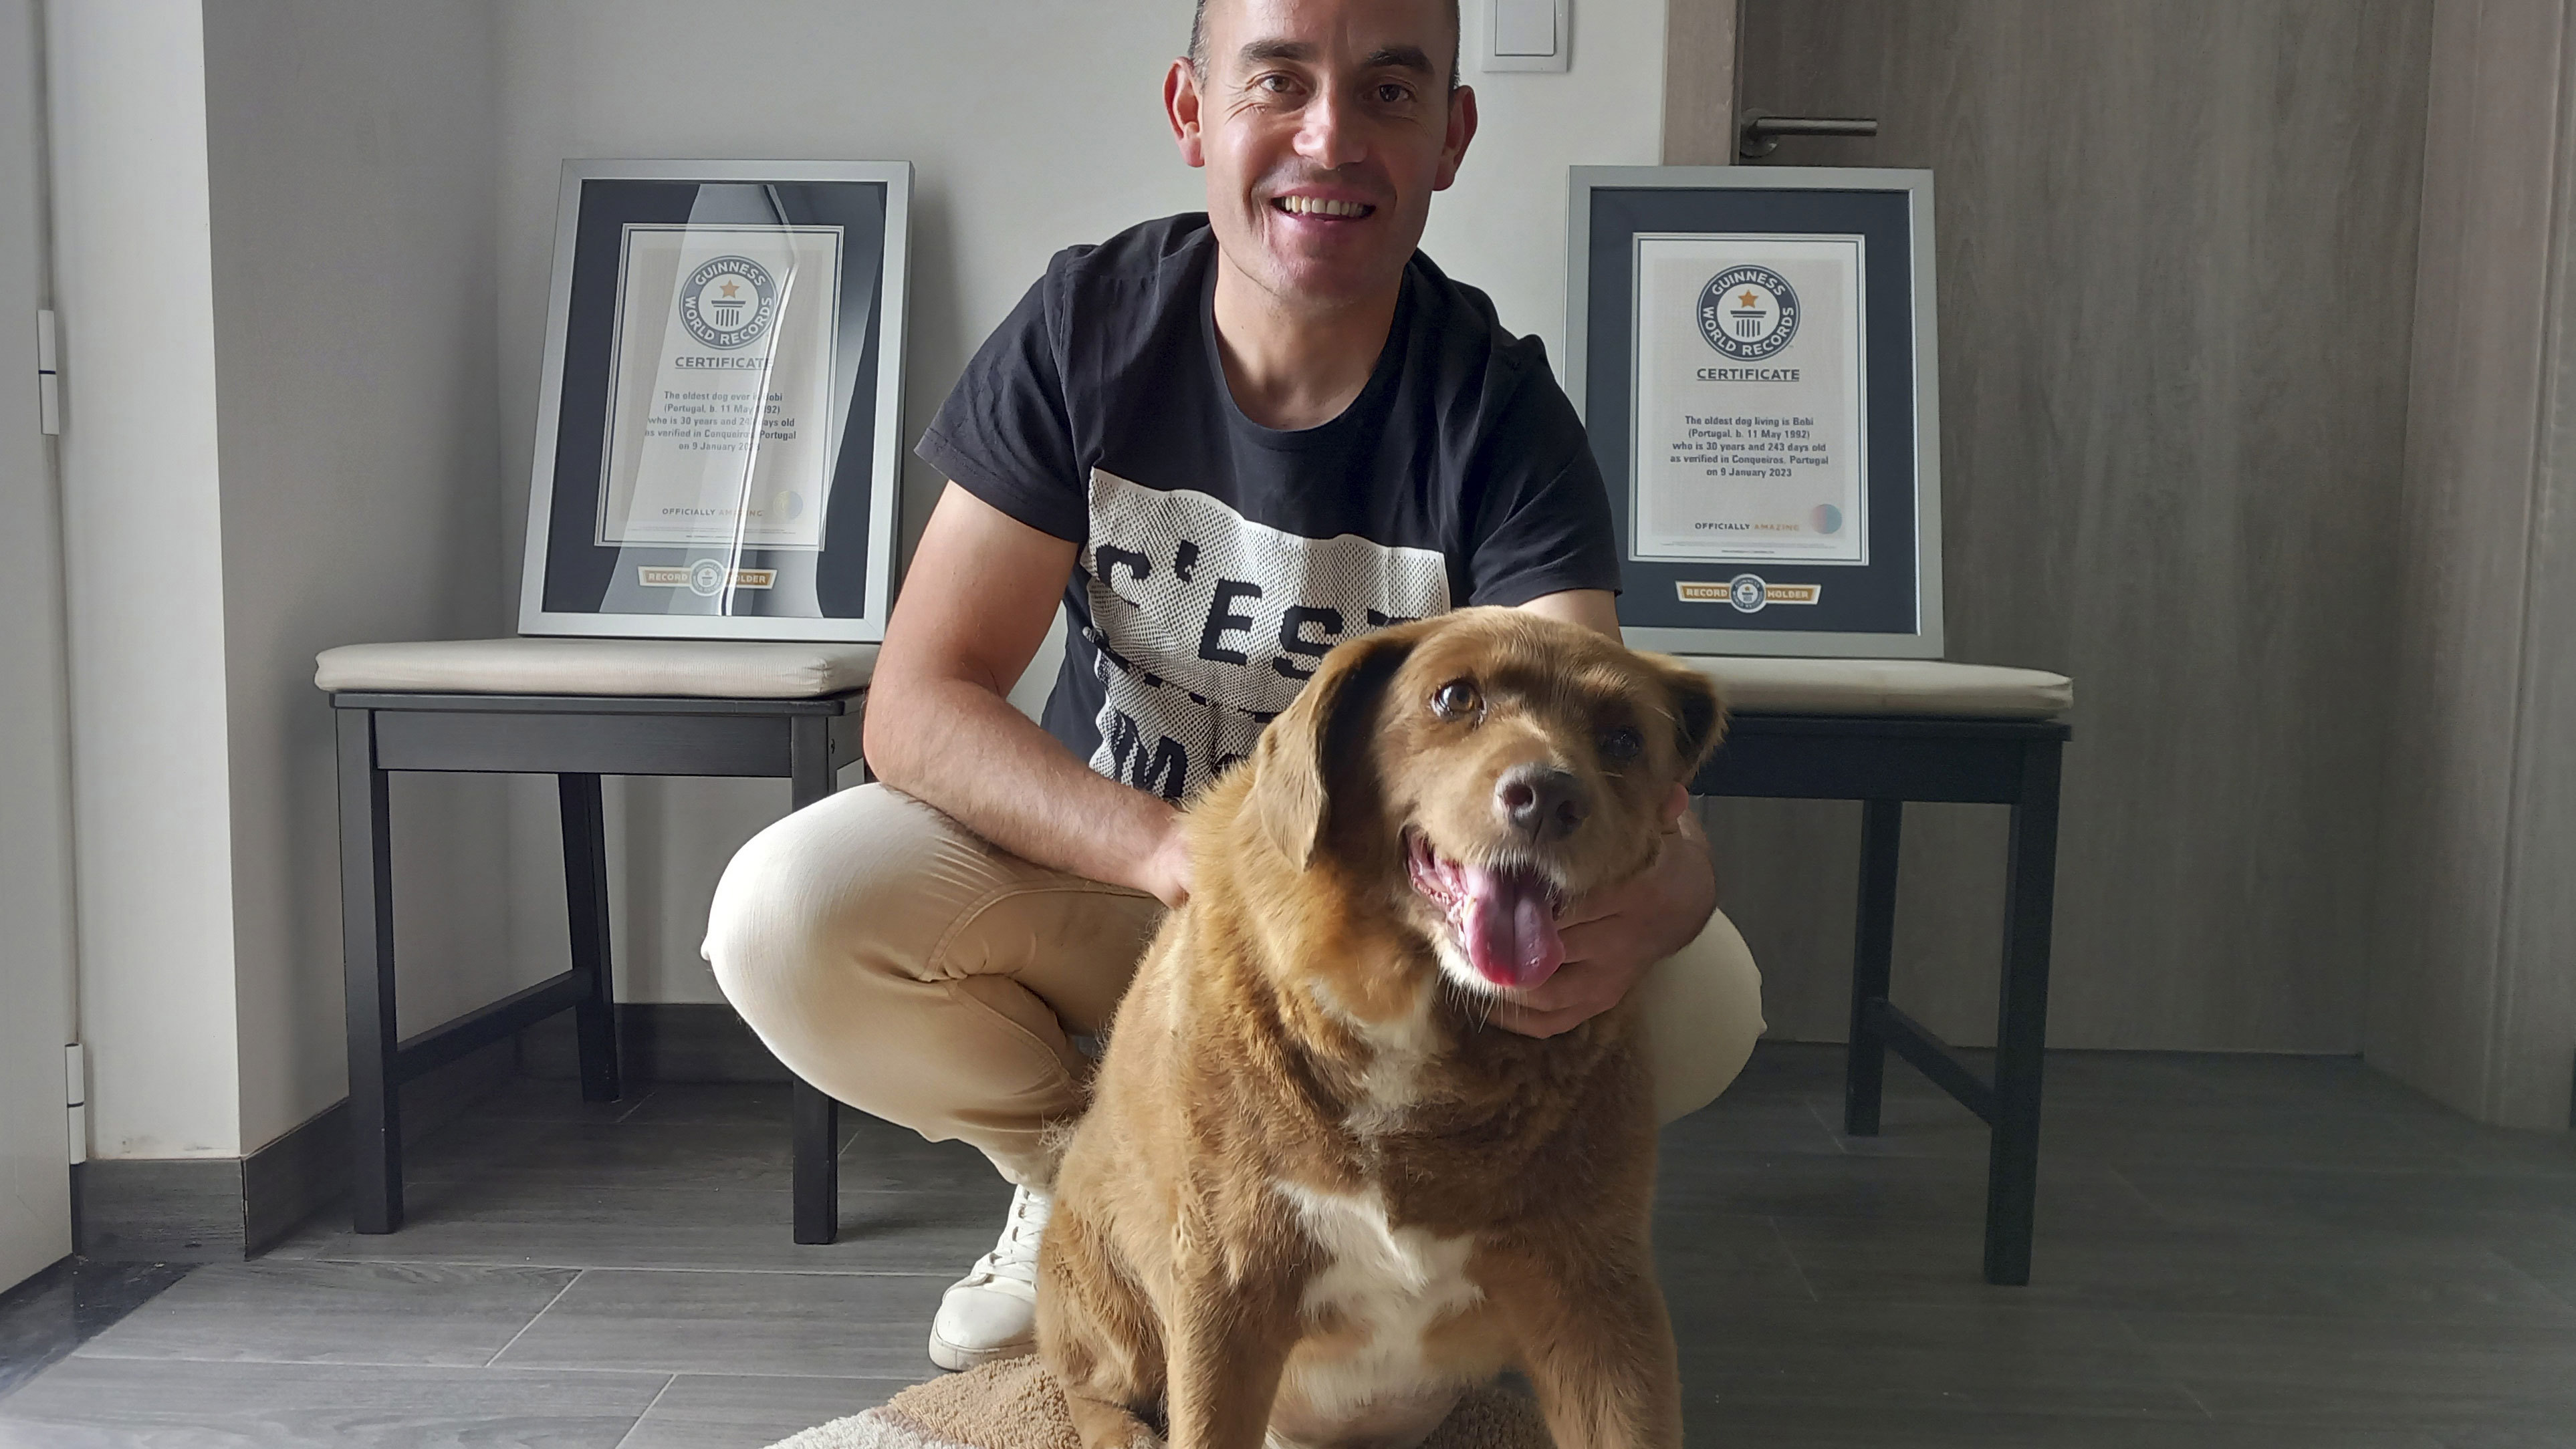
{"x":1761,"y":131}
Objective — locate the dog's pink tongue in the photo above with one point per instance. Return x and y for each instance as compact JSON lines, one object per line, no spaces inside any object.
{"x":1511,"y":930}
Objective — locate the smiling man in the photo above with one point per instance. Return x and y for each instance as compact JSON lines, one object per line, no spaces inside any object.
{"x":1225,"y":443}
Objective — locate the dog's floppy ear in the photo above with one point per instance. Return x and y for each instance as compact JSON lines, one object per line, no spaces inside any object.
{"x":1699,"y":716}
{"x":1291,"y":793}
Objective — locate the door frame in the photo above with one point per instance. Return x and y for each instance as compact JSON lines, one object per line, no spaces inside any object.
{"x":37,"y":998}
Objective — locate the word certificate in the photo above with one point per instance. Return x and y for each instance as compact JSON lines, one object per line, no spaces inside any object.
{"x":1751,"y":395}
{"x":720,"y":415}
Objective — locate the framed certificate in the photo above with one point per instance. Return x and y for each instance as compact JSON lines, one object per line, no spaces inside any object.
{"x":1752,"y":350}
{"x":718,"y":432}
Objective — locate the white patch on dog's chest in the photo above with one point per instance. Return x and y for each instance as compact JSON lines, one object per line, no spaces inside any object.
{"x":1388,"y":1286}
{"x":1401,"y":1049}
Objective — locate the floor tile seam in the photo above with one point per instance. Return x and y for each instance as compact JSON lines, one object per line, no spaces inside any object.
{"x":1972,"y":1294}
{"x":266,"y":1361}
{"x":2563,"y":1296}
{"x":578,"y":1268}
{"x":2166,"y":1411}
{"x":1797,"y":1262}
{"x":646,"y":1412}
{"x":540,"y":1313}
{"x":1841,"y":1146}
{"x":835,"y":1379}
{"x":2154,"y":1209}
{"x":1780,"y":1240}
{"x":2451,"y":1325}
{"x":699,"y":1373}
{"x":773,"y":1272}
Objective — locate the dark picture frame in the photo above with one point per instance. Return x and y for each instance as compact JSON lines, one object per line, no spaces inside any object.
{"x":721,"y":466}
{"x":1882,"y":597}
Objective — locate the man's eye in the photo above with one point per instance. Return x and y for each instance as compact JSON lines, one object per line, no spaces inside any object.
{"x":1277,"y":85}
{"x":1621,"y":744}
{"x":1393,"y":95}
{"x":1455,"y":700}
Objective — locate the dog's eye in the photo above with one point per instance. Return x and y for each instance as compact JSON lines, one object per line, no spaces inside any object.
{"x":1455,"y":700}
{"x":1621,"y":744}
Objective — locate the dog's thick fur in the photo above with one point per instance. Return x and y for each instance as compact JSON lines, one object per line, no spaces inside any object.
{"x":1316,"y":1194}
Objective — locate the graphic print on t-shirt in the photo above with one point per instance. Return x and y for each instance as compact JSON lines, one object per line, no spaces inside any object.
{"x":1207,"y":623}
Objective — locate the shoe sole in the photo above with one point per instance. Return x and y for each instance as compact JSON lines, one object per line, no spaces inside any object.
{"x":957,"y":1358}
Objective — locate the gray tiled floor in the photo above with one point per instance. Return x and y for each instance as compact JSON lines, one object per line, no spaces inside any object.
{"x":2234,"y":1252}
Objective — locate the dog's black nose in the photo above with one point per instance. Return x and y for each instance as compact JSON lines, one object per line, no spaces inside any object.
{"x":1541,"y":802}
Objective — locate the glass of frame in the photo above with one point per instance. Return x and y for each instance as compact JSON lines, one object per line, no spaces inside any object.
{"x":718,"y":449}
{"x":1752,"y":350}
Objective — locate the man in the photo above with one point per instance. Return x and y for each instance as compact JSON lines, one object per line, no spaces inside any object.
{"x":1243,"y":437}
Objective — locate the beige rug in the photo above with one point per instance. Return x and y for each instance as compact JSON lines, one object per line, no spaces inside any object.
{"x":1015,"y":1405}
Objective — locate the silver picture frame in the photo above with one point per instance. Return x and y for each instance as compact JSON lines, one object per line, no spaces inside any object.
{"x":1886,"y":631}
{"x":858,"y":609}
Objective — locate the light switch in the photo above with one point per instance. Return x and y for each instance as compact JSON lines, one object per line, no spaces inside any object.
{"x":1525,"y":34}
{"x":1525,"y":27}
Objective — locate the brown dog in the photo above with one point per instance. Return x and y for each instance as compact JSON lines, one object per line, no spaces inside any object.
{"x":1314,"y":1195}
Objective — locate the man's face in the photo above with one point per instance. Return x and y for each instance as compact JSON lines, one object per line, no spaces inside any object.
{"x":1324,"y":127}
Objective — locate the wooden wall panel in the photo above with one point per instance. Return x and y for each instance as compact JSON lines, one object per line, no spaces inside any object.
{"x":1699,"y":82}
{"x":2177,"y":249}
{"x":2475,"y":991}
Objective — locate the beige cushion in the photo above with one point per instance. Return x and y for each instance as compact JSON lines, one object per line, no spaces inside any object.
{"x":1885,"y":686}
{"x":689,"y":668}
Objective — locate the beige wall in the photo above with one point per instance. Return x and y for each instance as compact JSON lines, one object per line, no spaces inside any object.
{"x":351,"y":156}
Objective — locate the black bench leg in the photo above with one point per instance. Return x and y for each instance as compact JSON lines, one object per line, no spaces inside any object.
{"x":585,"y":846}
{"x":2021,"y":1028}
{"x":816,"y":1118}
{"x":367,"y":965}
{"x":1873,"y":948}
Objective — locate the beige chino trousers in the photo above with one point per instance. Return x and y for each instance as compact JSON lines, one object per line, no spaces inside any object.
{"x":911,"y":969}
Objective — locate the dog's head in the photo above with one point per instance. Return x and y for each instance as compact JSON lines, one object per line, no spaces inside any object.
{"x":1483,"y":768}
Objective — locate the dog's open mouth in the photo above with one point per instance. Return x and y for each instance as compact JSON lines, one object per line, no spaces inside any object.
{"x":1504,"y":916}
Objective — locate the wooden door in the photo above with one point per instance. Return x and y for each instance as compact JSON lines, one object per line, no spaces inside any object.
{"x":2175,"y":280}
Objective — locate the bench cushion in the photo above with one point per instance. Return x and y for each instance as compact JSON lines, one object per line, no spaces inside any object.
{"x":685,"y":668}
{"x":1885,"y":686}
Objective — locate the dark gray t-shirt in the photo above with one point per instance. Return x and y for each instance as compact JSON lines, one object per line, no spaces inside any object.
{"x":1220,"y":559}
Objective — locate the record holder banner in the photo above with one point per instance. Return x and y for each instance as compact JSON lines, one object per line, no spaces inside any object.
{"x":1752,"y":351}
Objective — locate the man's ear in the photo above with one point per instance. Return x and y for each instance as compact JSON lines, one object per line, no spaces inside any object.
{"x":1698,"y":715}
{"x":1453,"y":143}
{"x":1292,"y":766}
{"x":1181,"y":109}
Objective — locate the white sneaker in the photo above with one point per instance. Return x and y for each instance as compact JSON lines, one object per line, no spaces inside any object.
{"x":992,"y":1312}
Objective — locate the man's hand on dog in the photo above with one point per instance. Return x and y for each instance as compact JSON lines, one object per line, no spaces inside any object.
{"x":1612,"y":936}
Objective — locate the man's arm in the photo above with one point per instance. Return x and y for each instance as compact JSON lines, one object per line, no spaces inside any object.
{"x":940,"y":726}
{"x":1594,"y":609}
{"x":1612,"y":936}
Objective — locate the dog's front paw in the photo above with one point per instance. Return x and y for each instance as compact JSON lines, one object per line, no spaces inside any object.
{"x":1105,"y":1425}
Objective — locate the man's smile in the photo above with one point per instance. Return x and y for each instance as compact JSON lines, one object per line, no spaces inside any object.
{"x":1325,"y":207}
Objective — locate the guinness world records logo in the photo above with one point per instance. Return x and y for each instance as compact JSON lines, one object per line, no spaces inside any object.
{"x":729,"y":302}
{"x":1748,"y":313}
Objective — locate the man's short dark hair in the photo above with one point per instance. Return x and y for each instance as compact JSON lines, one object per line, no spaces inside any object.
{"x":1199,"y":56}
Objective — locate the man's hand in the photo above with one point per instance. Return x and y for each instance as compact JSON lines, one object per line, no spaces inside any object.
{"x":1613,"y":935}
